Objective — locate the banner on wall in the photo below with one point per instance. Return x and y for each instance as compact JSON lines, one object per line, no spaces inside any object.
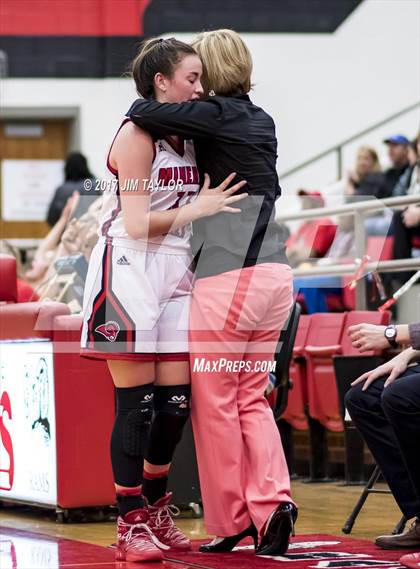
{"x":28,"y":460}
{"x":28,"y":187}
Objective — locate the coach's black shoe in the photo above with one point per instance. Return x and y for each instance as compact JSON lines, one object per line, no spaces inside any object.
{"x":226,"y":544}
{"x":278,"y":529}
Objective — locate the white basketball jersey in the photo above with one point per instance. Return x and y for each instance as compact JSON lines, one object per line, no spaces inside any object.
{"x":173,"y":183}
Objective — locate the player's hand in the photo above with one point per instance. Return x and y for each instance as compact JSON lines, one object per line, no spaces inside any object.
{"x":365,"y":337}
{"x":220,"y":199}
{"x":393,"y":369}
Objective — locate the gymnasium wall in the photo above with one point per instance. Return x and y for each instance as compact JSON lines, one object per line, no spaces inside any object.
{"x":319,"y":87}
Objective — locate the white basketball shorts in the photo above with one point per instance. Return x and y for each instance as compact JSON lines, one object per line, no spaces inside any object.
{"x":136,"y":302}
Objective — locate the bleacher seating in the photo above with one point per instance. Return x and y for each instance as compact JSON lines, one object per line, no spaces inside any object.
{"x":320,"y":337}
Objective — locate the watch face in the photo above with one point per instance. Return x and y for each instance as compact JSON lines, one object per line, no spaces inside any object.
{"x":390,"y":333}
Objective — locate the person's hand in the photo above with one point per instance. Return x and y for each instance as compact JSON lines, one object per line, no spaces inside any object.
{"x":89,"y":241}
{"x":71,"y":238}
{"x":411,"y":216}
{"x":70,"y":206}
{"x":351,"y":178}
{"x":367,"y":337}
{"x":393,"y":369}
{"x":37,"y":270}
{"x":211,"y":201}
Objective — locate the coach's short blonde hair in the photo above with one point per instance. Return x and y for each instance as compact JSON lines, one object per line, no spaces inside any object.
{"x":227,"y":62}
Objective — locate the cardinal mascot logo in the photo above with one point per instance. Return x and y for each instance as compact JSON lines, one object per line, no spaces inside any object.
{"x":110,"y":330}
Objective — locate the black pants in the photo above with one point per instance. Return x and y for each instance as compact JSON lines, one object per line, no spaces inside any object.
{"x":389,"y":421}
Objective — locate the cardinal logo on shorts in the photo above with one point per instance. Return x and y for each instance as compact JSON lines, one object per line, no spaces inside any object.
{"x":110,"y":330}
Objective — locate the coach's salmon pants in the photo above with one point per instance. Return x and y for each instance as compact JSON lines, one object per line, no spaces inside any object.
{"x":235,"y":322}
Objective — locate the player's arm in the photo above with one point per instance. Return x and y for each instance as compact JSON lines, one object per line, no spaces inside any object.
{"x":193,"y":119}
{"x":132,"y":154}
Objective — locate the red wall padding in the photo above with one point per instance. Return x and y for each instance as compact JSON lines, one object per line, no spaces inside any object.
{"x":72,"y":18}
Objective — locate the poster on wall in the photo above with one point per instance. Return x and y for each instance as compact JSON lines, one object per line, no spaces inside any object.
{"x":27,"y":422}
{"x":28,"y":187}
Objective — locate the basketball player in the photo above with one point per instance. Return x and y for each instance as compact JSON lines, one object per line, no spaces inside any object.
{"x":241,"y":299}
{"x":137,"y":294}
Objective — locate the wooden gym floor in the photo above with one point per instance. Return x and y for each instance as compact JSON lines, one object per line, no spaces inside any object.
{"x":323,"y":508}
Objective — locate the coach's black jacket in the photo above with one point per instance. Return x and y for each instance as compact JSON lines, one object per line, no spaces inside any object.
{"x":231,"y":134}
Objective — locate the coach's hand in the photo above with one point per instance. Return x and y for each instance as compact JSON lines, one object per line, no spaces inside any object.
{"x":216,"y":200}
{"x":393,"y":369}
{"x":367,"y":337}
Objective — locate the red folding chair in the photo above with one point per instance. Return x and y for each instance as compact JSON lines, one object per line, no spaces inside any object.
{"x":323,"y":342}
{"x":295,"y":413}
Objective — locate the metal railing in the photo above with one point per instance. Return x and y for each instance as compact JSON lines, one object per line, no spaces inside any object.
{"x":338,"y":148}
{"x":359,"y":210}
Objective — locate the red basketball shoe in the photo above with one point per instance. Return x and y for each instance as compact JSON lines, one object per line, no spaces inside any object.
{"x":163,"y":527}
{"x":135,"y":541}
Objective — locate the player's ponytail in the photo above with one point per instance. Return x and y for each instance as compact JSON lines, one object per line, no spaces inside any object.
{"x":157,"y":56}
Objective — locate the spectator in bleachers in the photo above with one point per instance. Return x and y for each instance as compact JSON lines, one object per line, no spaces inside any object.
{"x":76,"y":171}
{"x":314,"y":291}
{"x":46,"y":251}
{"x":314,"y":236}
{"x":406,"y":224}
{"x":69,"y":236}
{"x":398,"y":154}
{"x":409,"y":179}
{"x":25,"y":292}
{"x":390,"y":183}
{"x":365,"y":179}
{"x":384,"y":404}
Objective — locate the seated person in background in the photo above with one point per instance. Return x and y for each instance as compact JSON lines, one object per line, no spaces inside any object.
{"x":314,"y":236}
{"x":47,"y":249}
{"x":315,"y":290}
{"x":390,"y":181}
{"x":408,"y":181}
{"x":406,"y":223}
{"x":25,"y":292}
{"x":395,"y":175}
{"x":384,"y":404}
{"x":366,"y":178}
{"x":76,"y":171}
{"x":69,"y":236}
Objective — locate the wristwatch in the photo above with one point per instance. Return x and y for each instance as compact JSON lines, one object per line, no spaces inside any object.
{"x":390,"y":334}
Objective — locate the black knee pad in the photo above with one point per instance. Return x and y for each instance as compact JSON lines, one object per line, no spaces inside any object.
{"x":136,"y":431}
{"x":172,"y":409}
{"x":134,"y":418}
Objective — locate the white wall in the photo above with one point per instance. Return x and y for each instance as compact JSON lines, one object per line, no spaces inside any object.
{"x":320,"y":89}
{"x":102,"y":103}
